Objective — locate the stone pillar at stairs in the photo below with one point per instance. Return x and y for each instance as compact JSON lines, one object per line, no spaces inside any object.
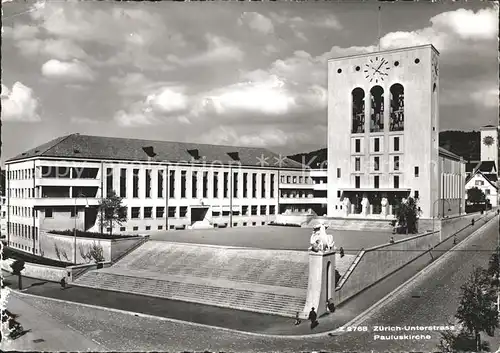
{"x":384,"y":203}
{"x":321,"y":285}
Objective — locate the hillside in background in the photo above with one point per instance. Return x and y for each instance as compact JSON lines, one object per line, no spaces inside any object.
{"x":463,"y":143}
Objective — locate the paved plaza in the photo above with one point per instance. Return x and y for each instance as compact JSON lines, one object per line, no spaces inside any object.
{"x":275,"y":237}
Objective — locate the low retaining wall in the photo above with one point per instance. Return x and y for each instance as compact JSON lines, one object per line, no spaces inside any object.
{"x":48,"y":273}
{"x":294,"y":219}
{"x":73,"y":272}
{"x":374,"y":264}
{"x":112,"y":248}
{"x":378,"y":262}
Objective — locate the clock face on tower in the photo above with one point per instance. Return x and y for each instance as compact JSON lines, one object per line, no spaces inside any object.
{"x":488,"y":140}
{"x":376,"y":70}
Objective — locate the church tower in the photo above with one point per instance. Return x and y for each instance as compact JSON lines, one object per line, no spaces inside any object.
{"x":383,"y":125}
{"x":489,"y":144}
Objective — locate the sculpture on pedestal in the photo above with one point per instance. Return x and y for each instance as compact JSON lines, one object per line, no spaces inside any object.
{"x":347,"y":206}
{"x":365,"y":206}
{"x":384,"y":204}
{"x":320,"y":240}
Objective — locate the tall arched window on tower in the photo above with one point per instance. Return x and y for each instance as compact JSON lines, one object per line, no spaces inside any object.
{"x":397,"y":119}
{"x":377,"y":109}
{"x":358,"y":111}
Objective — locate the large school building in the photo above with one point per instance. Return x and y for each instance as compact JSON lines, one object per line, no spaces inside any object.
{"x":164,"y":185}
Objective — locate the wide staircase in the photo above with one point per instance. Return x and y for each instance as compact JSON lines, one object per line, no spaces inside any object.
{"x":265,"y":281}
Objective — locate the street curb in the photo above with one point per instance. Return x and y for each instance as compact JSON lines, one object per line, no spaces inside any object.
{"x":391,"y":296}
{"x":362,"y":317}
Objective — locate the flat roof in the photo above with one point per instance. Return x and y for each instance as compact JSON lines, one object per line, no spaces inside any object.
{"x":385,"y":51}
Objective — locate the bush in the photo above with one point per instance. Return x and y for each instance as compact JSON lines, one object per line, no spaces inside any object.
{"x":95,"y":235}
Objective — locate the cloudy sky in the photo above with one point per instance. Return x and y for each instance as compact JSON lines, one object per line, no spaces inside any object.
{"x":222,"y":72}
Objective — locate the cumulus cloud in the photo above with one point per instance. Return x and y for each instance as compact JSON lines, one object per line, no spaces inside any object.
{"x":74,"y":70}
{"x":55,"y":48}
{"x":19,"y":104}
{"x":164,"y":104}
{"x":467,"y":24}
{"x":219,"y":49}
{"x":257,"y":22}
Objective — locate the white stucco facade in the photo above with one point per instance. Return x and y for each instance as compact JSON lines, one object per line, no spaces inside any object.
{"x":490,"y":189}
{"x":383,"y":142}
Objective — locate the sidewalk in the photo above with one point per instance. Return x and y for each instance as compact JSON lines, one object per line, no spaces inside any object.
{"x":234,"y":319}
{"x":44,"y":332}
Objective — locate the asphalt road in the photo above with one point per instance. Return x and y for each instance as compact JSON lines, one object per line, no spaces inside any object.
{"x":438,"y":290}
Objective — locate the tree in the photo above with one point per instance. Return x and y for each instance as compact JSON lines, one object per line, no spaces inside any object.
{"x":475,"y":195}
{"x":477,"y":312}
{"x":407,"y":214}
{"x":17,"y":266}
{"x":493,"y":268}
{"x":112,"y":211}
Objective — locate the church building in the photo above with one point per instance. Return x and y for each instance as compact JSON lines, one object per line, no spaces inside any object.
{"x":383,"y":136}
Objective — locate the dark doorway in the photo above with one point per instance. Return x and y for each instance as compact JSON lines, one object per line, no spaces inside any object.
{"x":90,"y":217}
{"x":198,"y":214}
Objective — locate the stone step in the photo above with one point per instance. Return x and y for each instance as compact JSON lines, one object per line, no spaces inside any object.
{"x":270,"y":303}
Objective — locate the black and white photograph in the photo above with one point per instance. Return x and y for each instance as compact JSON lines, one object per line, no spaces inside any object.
{"x":250,"y":176}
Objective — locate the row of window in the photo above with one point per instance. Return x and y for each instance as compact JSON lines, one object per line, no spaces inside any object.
{"x":23,"y":230}
{"x":183,"y":226}
{"x":22,"y":193}
{"x":195,"y":193}
{"x":181,"y":212}
{"x":23,"y":211}
{"x":376,"y":145}
{"x":376,"y":182}
{"x":296,"y":194}
{"x":376,"y":166}
{"x":21,"y":174}
{"x":396,"y":116}
{"x":23,"y":247}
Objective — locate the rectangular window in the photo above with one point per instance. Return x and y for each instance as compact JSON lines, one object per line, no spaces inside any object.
{"x":338,"y":173}
{"x":263,"y":210}
{"x":416,"y":172}
{"x":396,"y":144}
{"x":216,"y":185}
{"x":123,"y":182}
{"x":416,"y":194}
{"x":226,"y":184}
{"x":376,"y":182}
{"x":358,"y":145}
{"x":160,"y":227}
{"x":135,"y":228}
{"x":122,"y":229}
{"x":183,"y":211}
{"x":263,"y":186}
{"x":245,"y":186}
{"x":338,"y":193}
{"x":48,"y":213}
{"x":160,"y":212}
{"x":376,"y":163}
{"x":396,"y":181}
{"x":160,"y":183}
{"x":194,"y":184}
{"x":135,"y":186}
{"x":183,"y":183}
{"x":171,"y":184}
{"x":244,"y":210}
{"x":235,"y":185}
{"x":272,"y":209}
{"x":376,"y":147}
{"x":148,"y":227}
{"x":171,"y":212}
{"x":357,"y":164}
{"x":272,"y":186}
{"x":357,"y":180}
{"x":109,"y":181}
{"x":148,"y":183}
{"x":396,"y":162}
{"x":254,"y":185}
{"x":254,"y":211}
{"x":136,"y":212}
{"x":205,"y":184}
